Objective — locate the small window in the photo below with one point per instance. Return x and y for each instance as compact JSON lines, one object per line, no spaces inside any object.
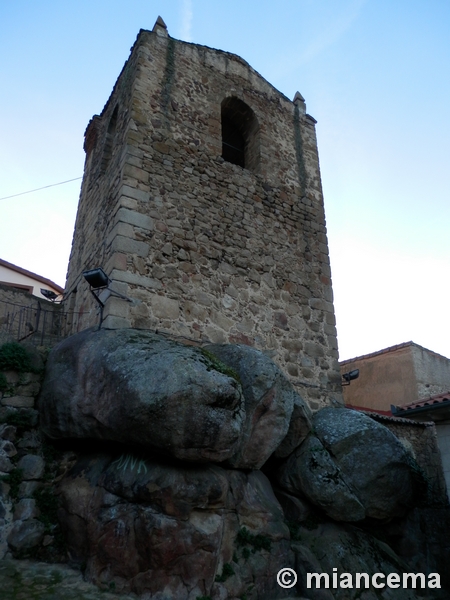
{"x":109,"y":141}
{"x":240,"y":134}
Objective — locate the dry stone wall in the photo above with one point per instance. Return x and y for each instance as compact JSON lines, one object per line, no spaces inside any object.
{"x":207,"y":249}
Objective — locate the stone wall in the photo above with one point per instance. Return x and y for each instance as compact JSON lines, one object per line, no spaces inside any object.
{"x":207,"y":249}
{"x":26,"y":317}
{"x":21,"y":458}
{"x":13,"y":295}
{"x":432,"y":371}
{"x":30,"y":466}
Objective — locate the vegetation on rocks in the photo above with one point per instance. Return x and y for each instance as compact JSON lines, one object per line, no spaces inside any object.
{"x":14,"y":357}
{"x":13,"y":479}
{"x":227,"y":571}
{"x":257,"y":542}
{"x":3,"y":383}
{"x":22,"y":419}
{"x":213,"y":362}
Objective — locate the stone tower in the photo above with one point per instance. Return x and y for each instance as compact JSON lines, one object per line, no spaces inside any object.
{"x":202,"y":201}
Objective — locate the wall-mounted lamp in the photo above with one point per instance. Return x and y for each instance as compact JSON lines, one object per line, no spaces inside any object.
{"x":96,"y":278}
{"x":49,"y":294}
{"x":350,"y":376}
{"x":99,"y":280}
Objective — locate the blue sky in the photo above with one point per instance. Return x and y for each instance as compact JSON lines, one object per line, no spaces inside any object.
{"x":374,"y":74}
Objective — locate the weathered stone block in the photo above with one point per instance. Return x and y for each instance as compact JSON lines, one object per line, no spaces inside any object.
{"x":136,"y":279}
{"x":135,"y":218}
{"x":113,"y":322}
{"x":32,"y":466}
{"x":129,"y":246}
{"x":6,"y":465}
{"x":165,"y":308}
{"x":25,"y":509}
{"x":136,"y":172}
{"x":18,"y":401}
{"x":132,"y":192}
{"x":25,"y":535}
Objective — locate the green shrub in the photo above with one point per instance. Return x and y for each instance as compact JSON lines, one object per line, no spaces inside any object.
{"x":14,"y":357}
{"x":48,"y":504}
{"x":3,"y":383}
{"x":258,"y":542}
{"x":14,"y":479}
{"x":227,"y":571}
{"x":22,"y":419}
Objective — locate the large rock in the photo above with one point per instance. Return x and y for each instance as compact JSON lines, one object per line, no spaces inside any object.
{"x":311,"y":471}
{"x":32,"y":466}
{"x":373,"y":462}
{"x":25,"y":535}
{"x":352,"y":468}
{"x":349,"y":551}
{"x":178,"y":532}
{"x":300,"y":427}
{"x":269,"y":402}
{"x":139,"y":388}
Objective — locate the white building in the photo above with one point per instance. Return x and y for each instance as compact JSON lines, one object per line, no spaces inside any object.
{"x":16,"y":277}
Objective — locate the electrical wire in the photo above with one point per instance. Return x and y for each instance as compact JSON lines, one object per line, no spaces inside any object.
{"x":41,"y":188}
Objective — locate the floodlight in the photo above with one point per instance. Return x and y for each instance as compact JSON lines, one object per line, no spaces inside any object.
{"x":96,"y":278}
{"x":49,"y":294}
{"x":350,"y":376}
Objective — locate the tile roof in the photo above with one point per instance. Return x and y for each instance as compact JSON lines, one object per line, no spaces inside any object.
{"x":385,"y":416}
{"x":426,"y":402}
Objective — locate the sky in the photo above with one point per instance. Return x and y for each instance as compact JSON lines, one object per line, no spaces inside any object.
{"x":374,"y":74}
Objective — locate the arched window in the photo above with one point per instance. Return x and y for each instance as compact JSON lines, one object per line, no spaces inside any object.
{"x":240,"y":134}
{"x":109,"y":140}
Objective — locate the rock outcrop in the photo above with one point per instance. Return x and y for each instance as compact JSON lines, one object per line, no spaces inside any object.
{"x":352,"y":468}
{"x":269,"y":401}
{"x":311,"y":472}
{"x":348,"y":551}
{"x":168,"y":499}
{"x":184,"y":531}
{"x":372,"y":461}
{"x":300,"y":427}
{"x":138,"y":388}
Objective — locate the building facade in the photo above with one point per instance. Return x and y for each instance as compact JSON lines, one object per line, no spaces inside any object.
{"x":398,"y":375}
{"x":202,"y":201}
{"x":21,"y":279}
{"x":411,"y":383}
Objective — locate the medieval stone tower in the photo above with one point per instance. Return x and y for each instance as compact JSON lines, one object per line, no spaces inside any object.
{"x":202,"y":201}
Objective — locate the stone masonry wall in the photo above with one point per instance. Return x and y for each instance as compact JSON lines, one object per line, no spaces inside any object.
{"x":432,"y":372}
{"x":206,"y":249}
{"x":19,"y":317}
{"x":12,"y":295}
{"x":25,"y":524}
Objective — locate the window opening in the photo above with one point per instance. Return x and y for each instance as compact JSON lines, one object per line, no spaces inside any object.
{"x":240,"y":134}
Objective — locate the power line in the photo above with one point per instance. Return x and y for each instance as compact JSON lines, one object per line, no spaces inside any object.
{"x":41,"y":188}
